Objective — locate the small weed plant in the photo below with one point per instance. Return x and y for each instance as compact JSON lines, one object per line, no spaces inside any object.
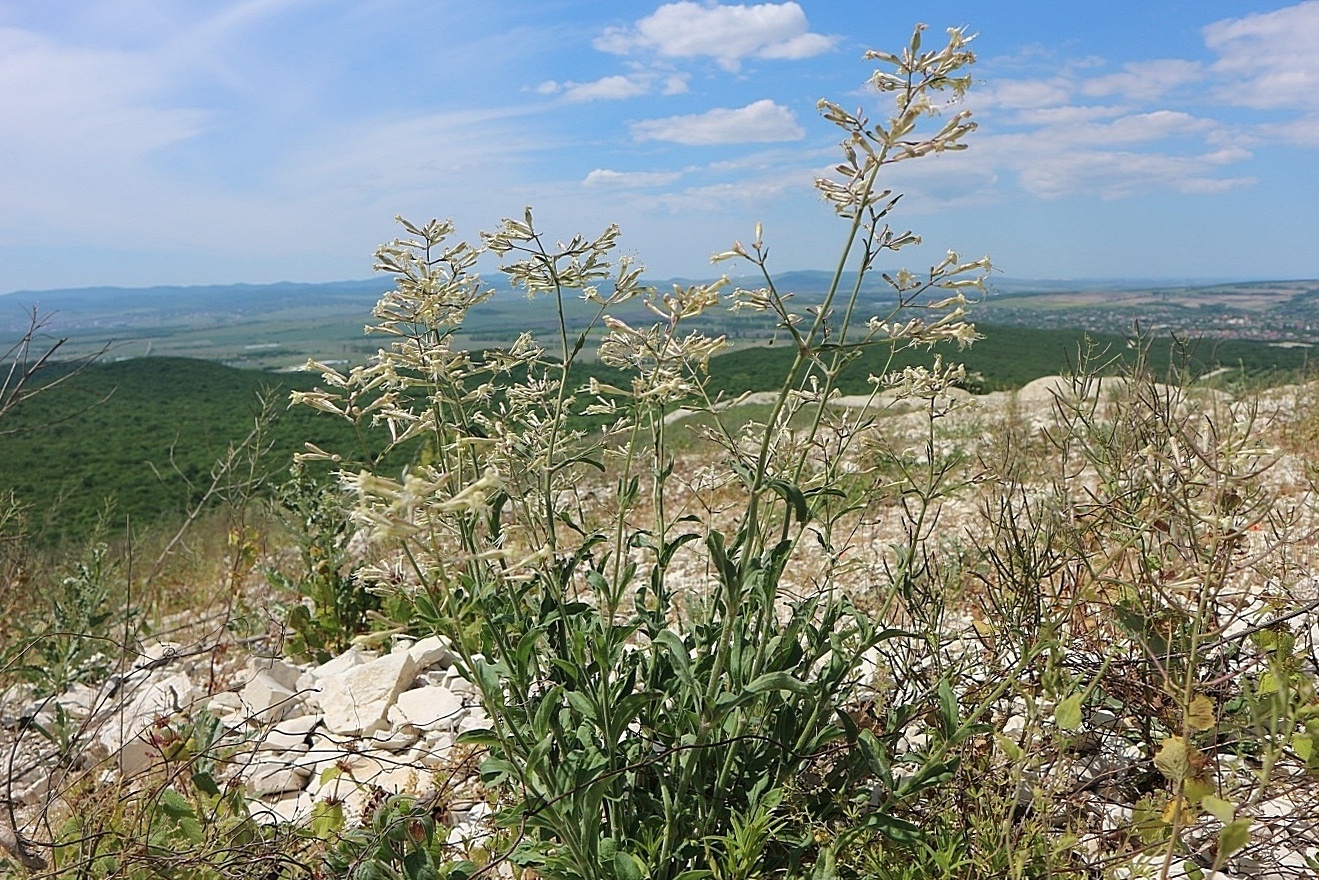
{"x":668,"y":690}
{"x":337,"y":602}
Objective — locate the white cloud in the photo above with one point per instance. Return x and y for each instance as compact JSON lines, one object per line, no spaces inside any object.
{"x":1121,"y":174}
{"x":762,"y":121}
{"x":1134,"y":128}
{"x":726,"y":33}
{"x":1269,"y":58}
{"x":105,"y":104}
{"x":1080,"y":130}
{"x":630,"y":179}
{"x":1018,"y":94}
{"x":758,"y":191}
{"x":1303,"y":132}
{"x":609,"y":88}
{"x":1146,"y":80}
{"x":615,"y":88}
{"x":675,"y":84}
{"x":1071,"y":114}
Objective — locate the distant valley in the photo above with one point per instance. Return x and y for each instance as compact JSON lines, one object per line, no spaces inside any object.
{"x":280,"y":326}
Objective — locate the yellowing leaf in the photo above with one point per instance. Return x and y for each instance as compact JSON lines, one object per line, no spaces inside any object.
{"x":1200,"y":714}
{"x":1197,"y":788}
{"x":1220,"y":809}
{"x":1303,"y":746}
{"x":1175,"y":806}
{"x":1068,"y":713}
{"x":1173,"y":759}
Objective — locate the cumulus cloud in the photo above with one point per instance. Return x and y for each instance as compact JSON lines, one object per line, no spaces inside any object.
{"x":1117,"y":174}
{"x":1081,"y":129}
{"x":1135,"y":128}
{"x":727,"y":34}
{"x":615,"y":88}
{"x":604,"y":177}
{"x":1068,"y":115}
{"x":762,"y":121}
{"x":609,"y":88}
{"x":1146,"y":81}
{"x":1269,"y":59}
{"x":1017,"y":94}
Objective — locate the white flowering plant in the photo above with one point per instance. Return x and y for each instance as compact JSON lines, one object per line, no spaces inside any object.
{"x":671,"y":680}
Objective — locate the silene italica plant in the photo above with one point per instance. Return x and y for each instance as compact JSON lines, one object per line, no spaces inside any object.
{"x":904,"y":640}
{"x":671,"y":658}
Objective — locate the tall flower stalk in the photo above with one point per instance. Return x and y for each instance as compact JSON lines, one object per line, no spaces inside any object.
{"x":643,"y":723}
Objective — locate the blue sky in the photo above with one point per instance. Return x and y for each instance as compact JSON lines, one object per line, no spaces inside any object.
{"x":187,"y":142}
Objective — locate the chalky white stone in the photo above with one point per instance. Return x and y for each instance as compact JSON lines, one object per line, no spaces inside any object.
{"x":266,"y":699}
{"x":356,"y":701}
{"x":428,"y":708}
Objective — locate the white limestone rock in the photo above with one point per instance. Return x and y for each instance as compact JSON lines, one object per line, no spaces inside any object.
{"x":301,"y":725}
{"x":476,"y":719}
{"x":393,"y":739}
{"x":129,"y":733}
{"x":156,"y":654}
{"x":429,"y":708}
{"x":292,"y":809}
{"x":337,"y":666}
{"x":276,"y":776}
{"x":266,"y":699}
{"x":357,"y":701}
{"x":282,"y":671}
{"x":355,"y":777}
{"x":432,"y":651}
{"x":276,"y":740}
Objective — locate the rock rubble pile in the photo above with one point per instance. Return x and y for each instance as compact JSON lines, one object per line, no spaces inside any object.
{"x":291,"y":734}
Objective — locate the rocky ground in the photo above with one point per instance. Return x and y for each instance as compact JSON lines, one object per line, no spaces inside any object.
{"x":293,"y":735}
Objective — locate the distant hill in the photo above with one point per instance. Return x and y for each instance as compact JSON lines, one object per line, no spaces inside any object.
{"x":147,"y":431}
{"x":219,"y":297}
{"x":280,"y":326}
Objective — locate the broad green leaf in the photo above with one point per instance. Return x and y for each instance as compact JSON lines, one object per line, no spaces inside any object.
{"x":418,"y":865}
{"x":1068,"y":713}
{"x":793,"y":496}
{"x":479,"y":736}
{"x":1303,"y":746}
{"x":580,"y":702}
{"x":895,"y":829}
{"x":1220,"y":809}
{"x":327,"y":818}
{"x":628,"y":867}
{"x":487,"y":678}
{"x":205,"y":783}
{"x":948,"y":707}
{"x":1234,"y":836}
{"x":175,"y":805}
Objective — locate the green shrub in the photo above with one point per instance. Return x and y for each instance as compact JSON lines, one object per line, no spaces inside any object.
{"x":315,"y":517}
